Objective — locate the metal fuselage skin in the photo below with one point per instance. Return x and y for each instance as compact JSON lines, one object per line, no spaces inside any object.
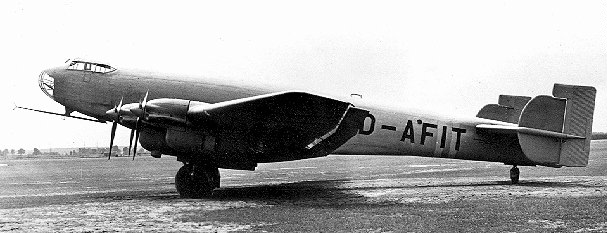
{"x":386,"y":131}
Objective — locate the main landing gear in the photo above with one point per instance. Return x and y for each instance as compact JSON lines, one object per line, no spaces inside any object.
{"x":196,"y":180}
{"x":514,"y":174}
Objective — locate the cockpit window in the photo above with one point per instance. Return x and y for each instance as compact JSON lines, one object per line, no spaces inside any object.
{"x":76,"y":66}
{"x":87,"y":66}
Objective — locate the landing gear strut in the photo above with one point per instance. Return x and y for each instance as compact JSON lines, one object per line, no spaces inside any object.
{"x":514,"y":174}
{"x":196,"y":180}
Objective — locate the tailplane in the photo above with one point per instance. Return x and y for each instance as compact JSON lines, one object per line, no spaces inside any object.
{"x":568,"y":113}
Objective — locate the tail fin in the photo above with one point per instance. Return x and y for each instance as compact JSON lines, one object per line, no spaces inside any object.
{"x":508,"y":109}
{"x":568,"y":112}
{"x":578,"y":121}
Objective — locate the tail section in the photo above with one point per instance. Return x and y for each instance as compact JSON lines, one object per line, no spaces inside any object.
{"x":560,"y":126}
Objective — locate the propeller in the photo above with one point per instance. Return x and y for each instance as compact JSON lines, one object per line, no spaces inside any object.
{"x":140,"y":112}
{"x":116,"y":113}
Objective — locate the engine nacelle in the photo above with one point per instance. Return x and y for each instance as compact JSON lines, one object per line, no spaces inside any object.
{"x":177,"y":142}
{"x":189,"y":142}
{"x":168,"y":113}
{"x":168,"y":130}
{"x":154,"y":140}
{"x":176,"y":108}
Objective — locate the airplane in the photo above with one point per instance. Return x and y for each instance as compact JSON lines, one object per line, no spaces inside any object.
{"x":209,"y":124}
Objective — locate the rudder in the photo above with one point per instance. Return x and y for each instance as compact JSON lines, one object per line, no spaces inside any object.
{"x":578,"y":121}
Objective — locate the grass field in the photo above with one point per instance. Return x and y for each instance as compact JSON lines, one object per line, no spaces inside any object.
{"x":331,"y":194}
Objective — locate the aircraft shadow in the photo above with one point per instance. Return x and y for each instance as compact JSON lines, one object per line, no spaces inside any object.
{"x":557,"y":184}
{"x":321,"y":193}
{"x":526,"y":183}
{"x":326,"y":192}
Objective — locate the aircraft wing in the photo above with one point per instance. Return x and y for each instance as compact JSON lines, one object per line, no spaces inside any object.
{"x":280,"y":126}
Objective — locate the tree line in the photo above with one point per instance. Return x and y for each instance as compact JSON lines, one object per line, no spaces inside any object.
{"x":81,"y":151}
{"x":21,"y":151}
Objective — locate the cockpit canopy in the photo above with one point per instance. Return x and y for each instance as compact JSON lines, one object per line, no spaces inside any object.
{"x":78,"y":64}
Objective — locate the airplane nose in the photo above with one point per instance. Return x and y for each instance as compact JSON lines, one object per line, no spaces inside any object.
{"x":47,"y":84}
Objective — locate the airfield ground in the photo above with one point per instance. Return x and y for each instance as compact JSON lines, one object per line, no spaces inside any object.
{"x":331,"y":194}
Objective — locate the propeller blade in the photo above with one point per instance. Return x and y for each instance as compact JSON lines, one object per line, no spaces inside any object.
{"x":137,"y":128}
{"x":112,"y":135}
{"x":140,"y":113}
{"x":131,"y":140}
{"x":114,"y":125}
{"x":135,"y":148}
{"x":118,"y":108}
{"x":145,"y":99}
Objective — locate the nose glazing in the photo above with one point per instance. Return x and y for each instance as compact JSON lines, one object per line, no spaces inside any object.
{"x":47,"y":84}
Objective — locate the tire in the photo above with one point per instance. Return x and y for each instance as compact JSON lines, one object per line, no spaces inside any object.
{"x":183,"y":181}
{"x":514,"y":175}
{"x":193,"y":181}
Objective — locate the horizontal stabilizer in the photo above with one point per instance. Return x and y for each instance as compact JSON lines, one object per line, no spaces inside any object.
{"x":510,"y":129}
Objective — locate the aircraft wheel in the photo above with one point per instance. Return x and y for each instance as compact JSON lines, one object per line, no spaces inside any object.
{"x":196,"y":181}
{"x":184,"y":182}
{"x":514,"y":175}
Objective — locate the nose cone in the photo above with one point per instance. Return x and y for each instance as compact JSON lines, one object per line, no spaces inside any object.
{"x":47,"y":84}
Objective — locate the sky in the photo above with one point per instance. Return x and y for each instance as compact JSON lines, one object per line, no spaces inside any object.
{"x":445,"y":56}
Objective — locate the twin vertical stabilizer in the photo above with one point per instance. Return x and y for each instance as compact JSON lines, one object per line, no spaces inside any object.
{"x":568,"y":113}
